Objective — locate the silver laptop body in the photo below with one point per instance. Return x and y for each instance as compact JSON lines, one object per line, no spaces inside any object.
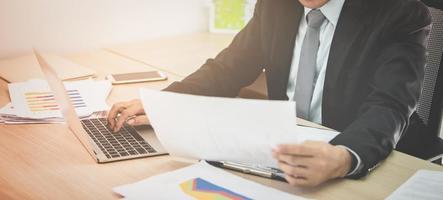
{"x":100,"y":142}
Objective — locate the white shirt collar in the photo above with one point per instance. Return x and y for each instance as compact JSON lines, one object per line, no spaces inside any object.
{"x":331,"y":10}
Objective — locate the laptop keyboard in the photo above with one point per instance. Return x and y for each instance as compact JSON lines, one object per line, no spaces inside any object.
{"x":126,"y":142}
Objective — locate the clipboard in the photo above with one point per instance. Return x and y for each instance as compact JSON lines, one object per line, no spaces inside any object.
{"x":266,"y":172}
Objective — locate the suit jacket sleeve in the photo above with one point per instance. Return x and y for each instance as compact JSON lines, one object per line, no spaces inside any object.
{"x":235,"y":67}
{"x":396,"y":87}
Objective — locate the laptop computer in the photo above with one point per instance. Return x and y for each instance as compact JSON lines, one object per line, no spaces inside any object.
{"x":95,"y":136}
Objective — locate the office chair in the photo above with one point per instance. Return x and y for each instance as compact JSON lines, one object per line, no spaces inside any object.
{"x":421,"y":139}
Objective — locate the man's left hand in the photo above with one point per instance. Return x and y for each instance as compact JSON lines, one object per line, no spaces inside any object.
{"x":312,"y":163}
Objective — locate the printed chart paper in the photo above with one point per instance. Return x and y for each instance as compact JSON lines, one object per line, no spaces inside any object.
{"x":200,"y":181}
{"x":201,"y":189}
{"x":33,"y":102}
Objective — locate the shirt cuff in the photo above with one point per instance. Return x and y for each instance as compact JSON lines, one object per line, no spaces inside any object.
{"x":358,"y":166}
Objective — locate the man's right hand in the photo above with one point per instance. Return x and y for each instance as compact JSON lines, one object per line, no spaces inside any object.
{"x":130,"y":112}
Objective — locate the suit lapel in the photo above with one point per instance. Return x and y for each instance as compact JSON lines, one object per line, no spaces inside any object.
{"x":348,"y":28}
{"x":289,"y":15}
{"x":346,"y":33}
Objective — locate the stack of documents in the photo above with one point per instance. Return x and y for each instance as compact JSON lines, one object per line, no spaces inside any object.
{"x":200,"y":181}
{"x":33,"y":102}
{"x":225,"y":129}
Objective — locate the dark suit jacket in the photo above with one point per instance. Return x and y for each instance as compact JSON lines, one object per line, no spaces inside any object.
{"x":373,"y":78}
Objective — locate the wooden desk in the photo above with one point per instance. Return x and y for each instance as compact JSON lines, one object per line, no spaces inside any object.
{"x":182,"y":55}
{"x":48,"y":162}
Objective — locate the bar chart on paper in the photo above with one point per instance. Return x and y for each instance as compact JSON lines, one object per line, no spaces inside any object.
{"x":201,"y":189}
{"x":45,"y":101}
{"x":33,"y":102}
{"x":200,"y":181}
{"x":33,"y":99}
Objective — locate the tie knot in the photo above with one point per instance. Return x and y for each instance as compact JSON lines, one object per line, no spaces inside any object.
{"x":315,"y":18}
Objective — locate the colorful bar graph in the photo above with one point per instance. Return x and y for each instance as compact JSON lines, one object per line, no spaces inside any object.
{"x":201,"y":189}
{"x":45,"y":101}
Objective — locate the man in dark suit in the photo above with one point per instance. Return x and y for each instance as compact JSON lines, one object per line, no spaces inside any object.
{"x":355,"y":66}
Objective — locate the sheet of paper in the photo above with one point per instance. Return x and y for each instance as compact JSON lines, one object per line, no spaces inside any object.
{"x":33,"y":99}
{"x":199,"y":181}
{"x":424,"y":184}
{"x":7,"y":116}
{"x":103,"y":89}
{"x":229,"y":129}
{"x":95,"y":92}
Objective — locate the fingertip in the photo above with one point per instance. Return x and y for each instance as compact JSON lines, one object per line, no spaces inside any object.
{"x":118,"y":127}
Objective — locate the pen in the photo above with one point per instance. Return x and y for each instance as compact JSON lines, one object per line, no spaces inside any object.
{"x":267,"y":173}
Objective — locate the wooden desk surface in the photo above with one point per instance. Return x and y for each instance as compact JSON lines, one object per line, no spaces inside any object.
{"x":48,"y":162}
{"x":182,"y":55}
{"x":189,"y":52}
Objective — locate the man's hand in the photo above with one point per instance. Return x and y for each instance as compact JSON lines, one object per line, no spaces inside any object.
{"x":312,"y":163}
{"x":130,"y":112}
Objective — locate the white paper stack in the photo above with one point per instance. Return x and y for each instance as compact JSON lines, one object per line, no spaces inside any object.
{"x":225,"y":129}
{"x":32,"y":102}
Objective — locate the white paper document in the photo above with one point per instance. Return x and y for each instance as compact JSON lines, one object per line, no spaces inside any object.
{"x":9,"y":116}
{"x":199,"y":181}
{"x":33,"y":102}
{"x":424,"y":184}
{"x":225,"y":129}
{"x":34,"y":99}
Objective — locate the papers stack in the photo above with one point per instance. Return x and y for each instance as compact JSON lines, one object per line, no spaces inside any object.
{"x":199,"y":181}
{"x":225,"y":129}
{"x":33,"y":102}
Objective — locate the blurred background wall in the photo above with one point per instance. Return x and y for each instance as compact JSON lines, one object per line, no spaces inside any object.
{"x":74,"y":25}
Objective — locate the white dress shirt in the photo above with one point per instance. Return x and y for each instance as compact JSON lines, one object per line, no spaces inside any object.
{"x":331,"y":10}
